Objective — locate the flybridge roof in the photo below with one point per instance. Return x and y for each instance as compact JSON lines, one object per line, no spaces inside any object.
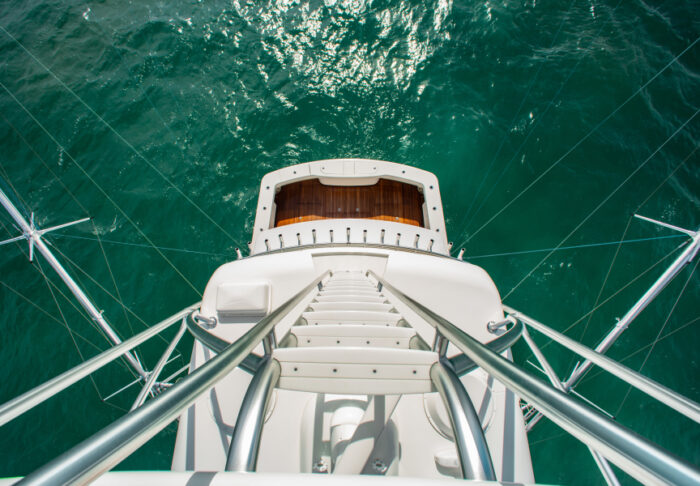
{"x":349,"y":201}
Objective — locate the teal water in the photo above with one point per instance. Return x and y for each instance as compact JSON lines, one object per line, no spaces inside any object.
{"x":202,"y":98}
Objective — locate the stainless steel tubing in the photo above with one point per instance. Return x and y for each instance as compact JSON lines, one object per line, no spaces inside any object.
{"x":269,"y":343}
{"x":640,"y":458}
{"x":464,"y":365}
{"x":153,"y":376}
{"x":668,"y":397}
{"x":601,"y":462}
{"x":669,"y":274}
{"x":108,"y":447}
{"x":245,"y":440}
{"x":17,"y":406}
{"x":440,"y":344}
{"x":549,"y":371}
{"x":250,"y":363}
{"x":474,"y":455}
{"x":35,"y":238}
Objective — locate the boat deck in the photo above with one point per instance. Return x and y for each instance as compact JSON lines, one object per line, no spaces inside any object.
{"x":386,"y":200}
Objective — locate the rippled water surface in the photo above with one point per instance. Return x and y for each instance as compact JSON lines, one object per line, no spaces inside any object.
{"x":158,"y":119}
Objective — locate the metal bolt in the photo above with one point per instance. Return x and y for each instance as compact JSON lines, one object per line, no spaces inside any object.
{"x":320,"y":467}
{"x":379,"y":466}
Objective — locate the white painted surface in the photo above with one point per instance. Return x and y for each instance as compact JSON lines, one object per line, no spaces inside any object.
{"x":460,"y":292}
{"x":359,"y":317}
{"x":350,"y":172}
{"x":355,"y":370}
{"x":243,"y":299}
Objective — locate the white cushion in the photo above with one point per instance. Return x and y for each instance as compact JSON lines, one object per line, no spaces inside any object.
{"x":243,"y":299}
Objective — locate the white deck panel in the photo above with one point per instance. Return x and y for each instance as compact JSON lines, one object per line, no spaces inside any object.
{"x":361,"y":317}
{"x":376,"y":298}
{"x":350,"y":306}
{"x":355,"y":370}
{"x":458,"y":291}
{"x":372,"y":291}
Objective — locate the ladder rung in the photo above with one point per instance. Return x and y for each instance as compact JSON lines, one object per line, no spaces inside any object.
{"x":349,"y":292}
{"x":350,"y":317}
{"x":354,"y":276}
{"x":345,"y":286}
{"x":355,"y":370}
{"x":348,"y":306}
{"x":376,"y":298}
{"x":350,"y":335}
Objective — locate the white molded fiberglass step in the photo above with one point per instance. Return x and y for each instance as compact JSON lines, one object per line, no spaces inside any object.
{"x":354,"y":370}
{"x":346,"y":306}
{"x":351,"y":281}
{"x":376,"y":298}
{"x":356,"y":277}
{"x":336,"y":335}
{"x":351,"y":317}
{"x":349,"y":292}
{"x":359,"y":275}
{"x":346,"y":286}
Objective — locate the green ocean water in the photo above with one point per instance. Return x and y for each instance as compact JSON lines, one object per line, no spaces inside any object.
{"x":167,"y":114}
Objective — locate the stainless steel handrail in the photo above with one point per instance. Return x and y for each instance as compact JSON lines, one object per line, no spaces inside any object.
{"x":601,"y":462}
{"x":676,"y":401}
{"x":105,"y":449}
{"x":249,"y":364}
{"x":474,"y":455}
{"x":634,"y":454}
{"x":28,"y":400}
{"x":245,"y":440}
{"x":155,"y":372}
{"x":464,"y":365}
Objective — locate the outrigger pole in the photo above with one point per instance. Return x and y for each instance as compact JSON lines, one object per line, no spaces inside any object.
{"x":34,"y":236}
{"x":678,"y":264}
